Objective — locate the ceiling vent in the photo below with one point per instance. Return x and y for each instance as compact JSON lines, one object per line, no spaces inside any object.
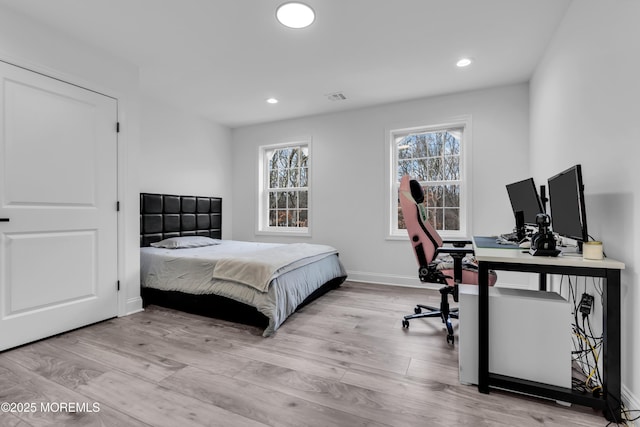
{"x":337,"y":96}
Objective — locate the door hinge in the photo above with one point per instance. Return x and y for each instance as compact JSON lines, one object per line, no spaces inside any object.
{"x":117,"y":127}
{"x":118,"y":285}
{"x":118,"y":206}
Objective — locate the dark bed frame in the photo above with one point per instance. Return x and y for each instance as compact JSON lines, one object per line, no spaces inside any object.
{"x":163,"y":216}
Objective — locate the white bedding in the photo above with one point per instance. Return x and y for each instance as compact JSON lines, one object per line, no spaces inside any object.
{"x":258,"y":267}
{"x":291,"y":281}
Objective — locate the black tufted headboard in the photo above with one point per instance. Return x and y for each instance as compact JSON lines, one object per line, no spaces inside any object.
{"x":164,"y":215}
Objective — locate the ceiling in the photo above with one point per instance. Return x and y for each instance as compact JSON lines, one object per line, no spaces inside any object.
{"x":223,"y":58}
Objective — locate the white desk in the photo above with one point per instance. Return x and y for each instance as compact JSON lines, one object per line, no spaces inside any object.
{"x":520,"y":260}
{"x":522,"y":256}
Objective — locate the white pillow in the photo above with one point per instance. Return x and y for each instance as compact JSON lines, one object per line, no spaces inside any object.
{"x":185,"y":242}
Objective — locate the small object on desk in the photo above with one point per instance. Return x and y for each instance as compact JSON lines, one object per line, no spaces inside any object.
{"x":592,"y":250}
{"x":509,"y":237}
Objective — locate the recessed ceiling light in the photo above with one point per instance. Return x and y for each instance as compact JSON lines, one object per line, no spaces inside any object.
{"x":464,"y":62}
{"x":295,"y":15}
{"x":272,"y":101}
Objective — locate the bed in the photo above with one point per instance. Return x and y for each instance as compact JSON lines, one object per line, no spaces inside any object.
{"x":254,"y":283}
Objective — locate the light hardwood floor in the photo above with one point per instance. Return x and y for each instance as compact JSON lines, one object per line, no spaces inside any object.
{"x":343,"y":360}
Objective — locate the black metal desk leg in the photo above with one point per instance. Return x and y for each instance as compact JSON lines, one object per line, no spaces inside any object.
{"x":611,"y":345}
{"x":483,"y":328}
{"x":542,"y":281}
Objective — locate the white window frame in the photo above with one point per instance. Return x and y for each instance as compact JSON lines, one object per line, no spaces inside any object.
{"x":463,"y":122}
{"x":263,"y":227}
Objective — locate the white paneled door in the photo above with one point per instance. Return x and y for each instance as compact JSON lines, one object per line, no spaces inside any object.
{"x":58,"y":218}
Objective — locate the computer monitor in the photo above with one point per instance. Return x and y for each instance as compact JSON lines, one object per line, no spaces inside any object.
{"x":524,"y":197}
{"x":566,"y":198}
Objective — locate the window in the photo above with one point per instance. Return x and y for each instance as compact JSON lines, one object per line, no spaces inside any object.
{"x":284,"y":198}
{"x":434,"y":156}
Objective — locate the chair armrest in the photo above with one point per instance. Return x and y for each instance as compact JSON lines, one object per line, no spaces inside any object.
{"x":454,"y":252}
{"x":457,"y":253}
{"x":458,"y":243}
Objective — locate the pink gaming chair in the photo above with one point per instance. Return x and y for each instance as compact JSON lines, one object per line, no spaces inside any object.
{"x":428,"y":246}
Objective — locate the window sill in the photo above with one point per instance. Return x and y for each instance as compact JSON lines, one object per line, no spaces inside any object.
{"x":445,"y":236}
{"x":280,"y":233}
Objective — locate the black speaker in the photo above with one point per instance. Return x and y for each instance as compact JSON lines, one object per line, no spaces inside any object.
{"x":520,"y":230}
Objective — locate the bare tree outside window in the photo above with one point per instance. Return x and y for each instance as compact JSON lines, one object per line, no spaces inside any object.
{"x":433,"y":158}
{"x":287,"y":186}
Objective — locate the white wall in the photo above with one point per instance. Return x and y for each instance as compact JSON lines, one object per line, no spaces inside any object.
{"x":30,"y":45}
{"x":585,"y":108}
{"x":349,"y":179}
{"x":185,"y":154}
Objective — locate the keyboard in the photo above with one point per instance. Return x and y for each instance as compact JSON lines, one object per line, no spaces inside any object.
{"x":510,"y":237}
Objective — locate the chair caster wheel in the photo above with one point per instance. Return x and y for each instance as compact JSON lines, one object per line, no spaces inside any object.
{"x":417,"y":310}
{"x":450,"y":339}
{"x":405,"y":323}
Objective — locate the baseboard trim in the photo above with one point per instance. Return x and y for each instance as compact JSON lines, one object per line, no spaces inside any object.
{"x":388,"y":279}
{"x":630,"y":401}
{"x":133,"y":305}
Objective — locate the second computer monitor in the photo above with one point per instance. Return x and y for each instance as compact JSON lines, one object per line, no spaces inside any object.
{"x":524,"y":197}
{"x":566,"y":197}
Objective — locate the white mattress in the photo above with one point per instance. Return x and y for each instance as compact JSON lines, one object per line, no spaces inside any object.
{"x":191,"y":271}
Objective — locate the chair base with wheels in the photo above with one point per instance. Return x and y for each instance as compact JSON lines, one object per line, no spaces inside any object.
{"x":444,"y":312}
{"x":432,"y":274}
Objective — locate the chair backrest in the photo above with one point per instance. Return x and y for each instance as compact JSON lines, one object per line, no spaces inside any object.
{"x":424,"y":238}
